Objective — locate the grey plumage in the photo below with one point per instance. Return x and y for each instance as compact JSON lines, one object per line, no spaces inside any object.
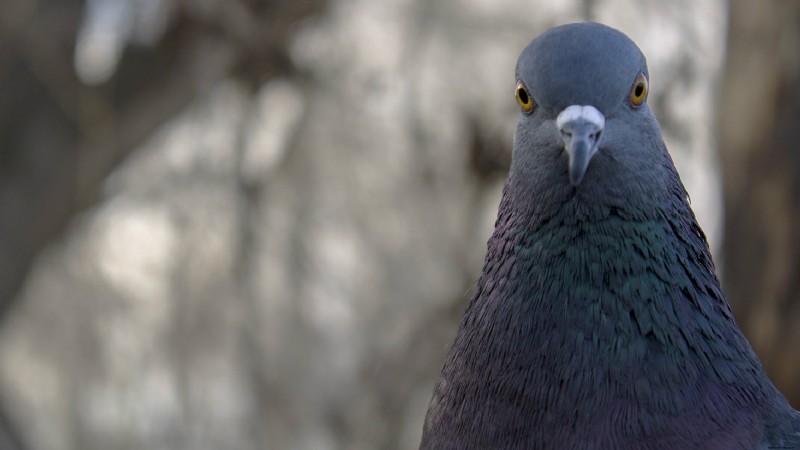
{"x":598,"y":321}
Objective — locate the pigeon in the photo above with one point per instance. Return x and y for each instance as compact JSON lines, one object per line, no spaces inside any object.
{"x":598,"y":321}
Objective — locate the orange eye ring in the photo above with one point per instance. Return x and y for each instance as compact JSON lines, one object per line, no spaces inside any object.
{"x":639,"y":90}
{"x":524,"y":99}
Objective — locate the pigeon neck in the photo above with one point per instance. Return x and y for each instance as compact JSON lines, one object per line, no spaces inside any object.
{"x":598,"y":299}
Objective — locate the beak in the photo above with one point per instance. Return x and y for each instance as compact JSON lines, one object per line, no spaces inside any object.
{"x":581,"y":128}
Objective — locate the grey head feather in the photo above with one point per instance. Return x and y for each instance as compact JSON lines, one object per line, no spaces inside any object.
{"x":589,"y":64}
{"x":581,"y":64}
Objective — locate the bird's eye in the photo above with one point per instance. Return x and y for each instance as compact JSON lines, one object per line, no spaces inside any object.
{"x":523,"y":98}
{"x":639,"y":90}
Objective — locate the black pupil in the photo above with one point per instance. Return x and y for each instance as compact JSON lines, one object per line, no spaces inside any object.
{"x":523,"y":96}
{"x":639,"y":90}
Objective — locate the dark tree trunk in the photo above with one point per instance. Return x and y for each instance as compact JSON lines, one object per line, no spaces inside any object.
{"x":759,"y":131}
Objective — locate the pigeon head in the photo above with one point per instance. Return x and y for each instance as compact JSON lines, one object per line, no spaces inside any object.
{"x":582,"y":90}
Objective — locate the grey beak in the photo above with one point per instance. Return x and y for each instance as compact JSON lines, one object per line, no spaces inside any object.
{"x":581,"y":128}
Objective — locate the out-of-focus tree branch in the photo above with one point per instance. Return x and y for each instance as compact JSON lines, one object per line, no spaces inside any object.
{"x":61,"y":138}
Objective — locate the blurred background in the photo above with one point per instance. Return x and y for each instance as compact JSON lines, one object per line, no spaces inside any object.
{"x":243,"y":224}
